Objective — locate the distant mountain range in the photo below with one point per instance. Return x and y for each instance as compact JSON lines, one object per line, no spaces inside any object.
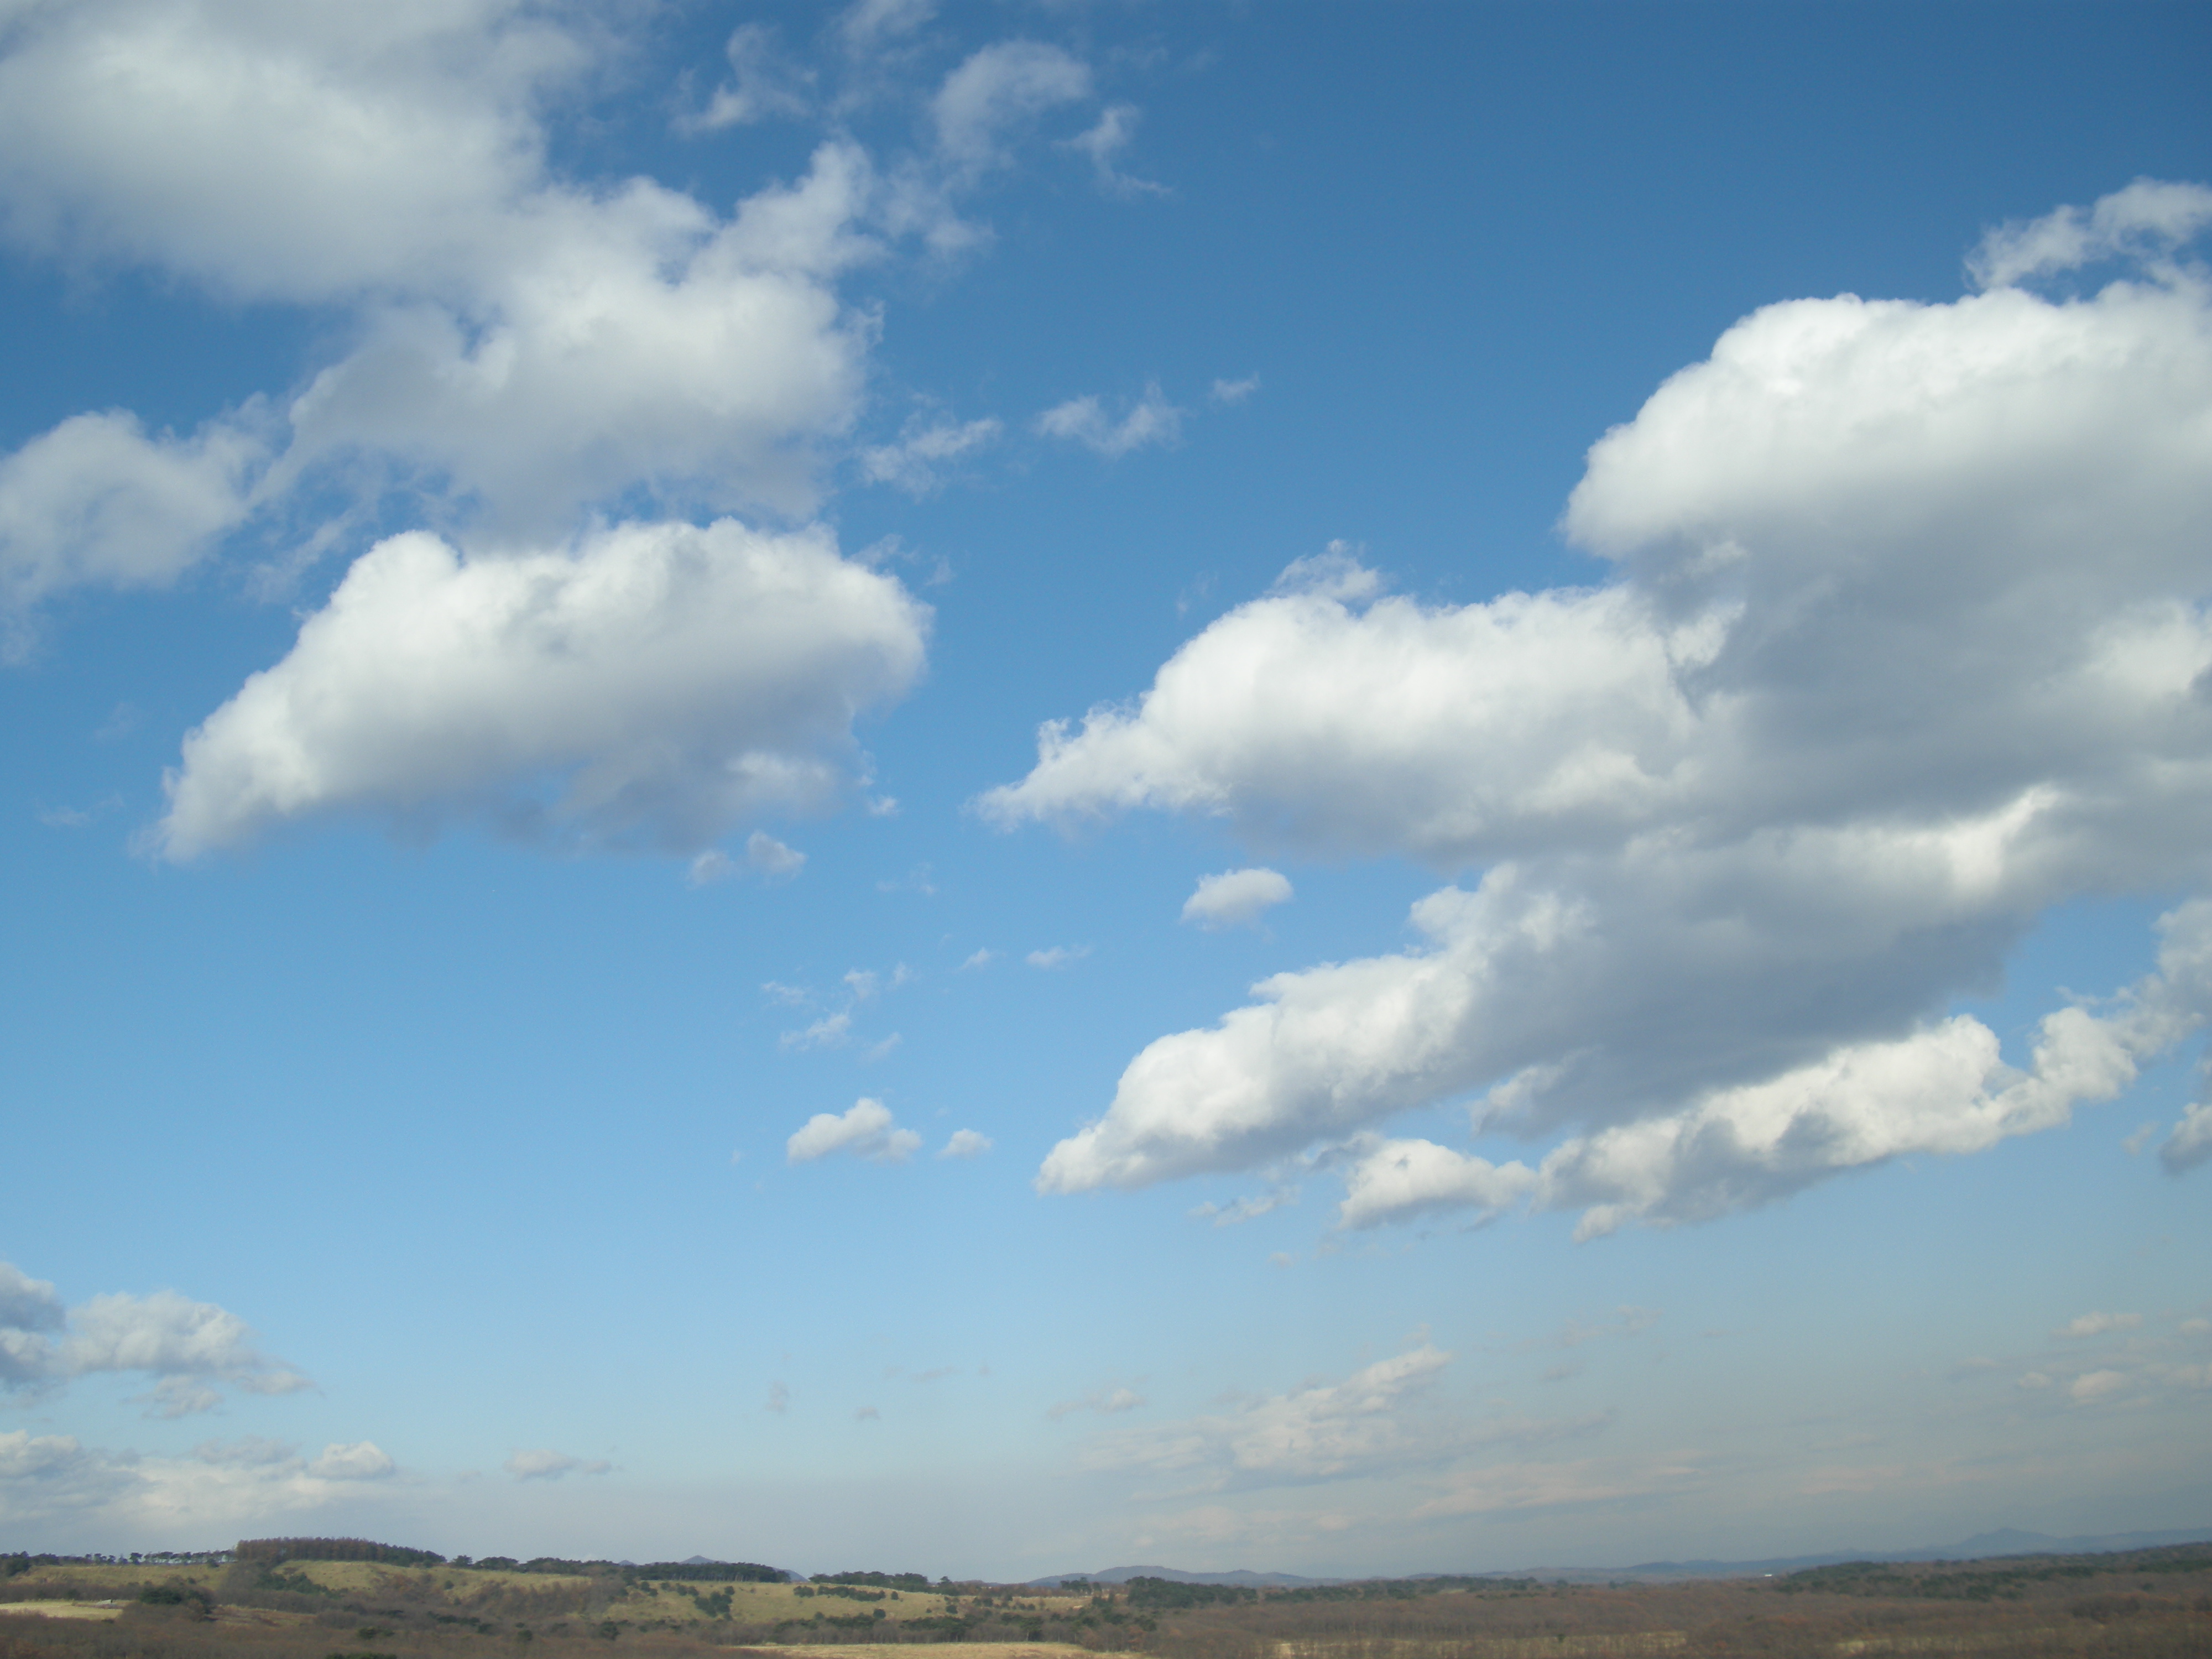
{"x":2009,"y":1540}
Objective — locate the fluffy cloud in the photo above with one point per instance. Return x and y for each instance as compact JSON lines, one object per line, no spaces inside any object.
{"x":51,"y":1481}
{"x":966,"y":1143}
{"x":185,"y":1347}
{"x":866,"y":1130}
{"x":528,"y":343}
{"x":639,"y":343}
{"x":29,"y":1311}
{"x":2147,"y":220}
{"x":545,"y":1464}
{"x":998,"y":88}
{"x":27,"y":1304}
{"x":97,"y":503}
{"x":1909,"y":642}
{"x":278,"y":152}
{"x":675,"y":680}
{"x":2190,"y":1143}
{"x":1400,"y":1180}
{"x":1236,"y":897}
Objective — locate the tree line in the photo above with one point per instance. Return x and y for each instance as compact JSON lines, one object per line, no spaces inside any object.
{"x":334,"y":1549}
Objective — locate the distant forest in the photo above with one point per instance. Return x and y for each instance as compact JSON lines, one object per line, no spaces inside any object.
{"x":333,"y":1549}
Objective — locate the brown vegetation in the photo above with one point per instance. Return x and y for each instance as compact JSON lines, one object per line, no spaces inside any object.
{"x":2151,"y":1604}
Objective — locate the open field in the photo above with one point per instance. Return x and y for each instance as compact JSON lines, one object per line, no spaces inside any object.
{"x":2147,"y":1604}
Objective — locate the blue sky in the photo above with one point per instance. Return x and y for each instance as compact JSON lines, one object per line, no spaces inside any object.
{"x":997,"y":788}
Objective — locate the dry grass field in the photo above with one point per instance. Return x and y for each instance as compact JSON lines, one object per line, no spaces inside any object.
{"x":2151,"y":1604}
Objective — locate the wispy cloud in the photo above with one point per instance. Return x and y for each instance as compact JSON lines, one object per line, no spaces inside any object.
{"x":1151,"y":420}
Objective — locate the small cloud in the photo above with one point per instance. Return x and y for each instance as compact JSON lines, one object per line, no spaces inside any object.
{"x":786,"y":996}
{"x":873,"y":22}
{"x":1335,"y":573}
{"x":2095,"y":1385}
{"x":1235,"y":898}
{"x":738,"y":1157}
{"x":362,"y":1460}
{"x":2032,"y":1380}
{"x":1058,"y":956}
{"x":771,"y":857}
{"x":1105,"y":1402}
{"x":1561,"y":1372}
{"x":862,"y":983}
{"x":981,"y":958}
{"x":2142,"y":1138}
{"x":937,"y":1375}
{"x":2098,"y":1324}
{"x":866,"y":1414}
{"x":1150,"y":420}
{"x":966,"y":1143}
{"x":830,"y":1031}
{"x":762,"y":86}
{"x":121,"y":722}
{"x":1282,"y":1259}
{"x":1245,"y":1209}
{"x":876,"y":1051}
{"x":765,"y":856}
{"x":866,"y":1131}
{"x":2190,"y":1143}
{"x":779,"y":1398}
{"x":2147,"y":221}
{"x":710,"y":866}
{"x":2196,"y":1327}
{"x":914,"y":461}
{"x":998,"y":91}
{"x":546,"y":1464}
{"x":881,"y":806}
{"x":1234,"y":392}
{"x":1116,"y":125}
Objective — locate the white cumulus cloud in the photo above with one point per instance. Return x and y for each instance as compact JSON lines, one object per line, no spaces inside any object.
{"x":866,"y":1130}
{"x":97,"y":503}
{"x":966,"y":1143}
{"x":1235,"y":898}
{"x":1909,"y":640}
{"x":2148,"y":219}
{"x":671,"y":679}
{"x":2190,"y":1143}
{"x":185,"y":1348}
